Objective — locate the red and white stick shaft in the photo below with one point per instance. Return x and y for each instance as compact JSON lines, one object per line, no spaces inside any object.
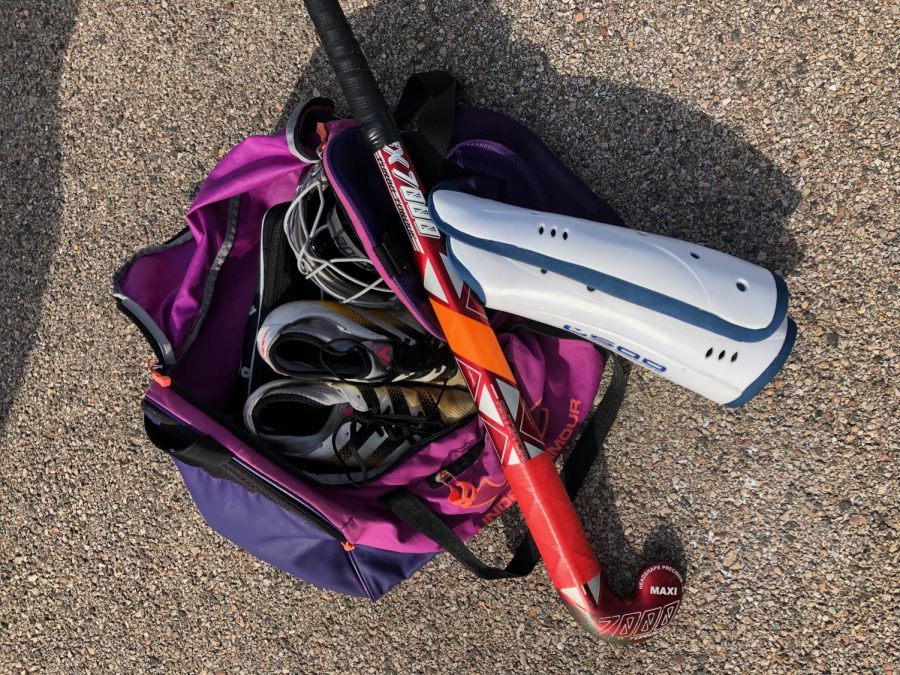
{"x":530,"y":470}
{"x":547,"y":509}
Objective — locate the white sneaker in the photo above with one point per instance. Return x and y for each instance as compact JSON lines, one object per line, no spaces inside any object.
{"x":315,"y":340}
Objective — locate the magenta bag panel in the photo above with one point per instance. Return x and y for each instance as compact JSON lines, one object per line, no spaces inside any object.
{"x":171,"y":283}
{"x":544,"y":365}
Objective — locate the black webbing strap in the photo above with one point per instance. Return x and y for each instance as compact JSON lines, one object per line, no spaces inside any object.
{"x":171,"y":436}
{"x":205,"y":453}
{"x":577,"y":465}
{"x":433,"y":96}
{"x":413,"y":511}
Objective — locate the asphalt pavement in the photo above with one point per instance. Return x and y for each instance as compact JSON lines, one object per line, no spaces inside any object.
{"x":766,"y":130}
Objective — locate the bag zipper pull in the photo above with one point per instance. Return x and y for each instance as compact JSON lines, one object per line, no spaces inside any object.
{"x":322,"y":133}
{"x":157,"y":375}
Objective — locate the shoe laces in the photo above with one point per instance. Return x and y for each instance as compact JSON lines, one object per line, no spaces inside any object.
{"x":428,"y":352}
{"x":397,"y":427}
{"x":425,"y":353}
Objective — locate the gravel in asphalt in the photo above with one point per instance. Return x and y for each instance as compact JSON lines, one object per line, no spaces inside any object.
{"x":767,"y":130}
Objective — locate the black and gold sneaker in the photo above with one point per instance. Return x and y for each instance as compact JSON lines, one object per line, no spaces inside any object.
{"x":349,"y":433}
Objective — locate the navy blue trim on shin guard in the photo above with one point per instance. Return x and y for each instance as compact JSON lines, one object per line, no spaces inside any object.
{"x":769,"y":373}
{"x":464,"y":273}
{"x":619,"y":288}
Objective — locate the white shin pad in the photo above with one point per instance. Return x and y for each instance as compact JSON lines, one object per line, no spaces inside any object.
{"x":706,"y":320}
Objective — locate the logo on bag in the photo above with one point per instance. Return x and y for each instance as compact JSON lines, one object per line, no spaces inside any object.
{"x":541,"y":417}
{"x":569,"y":429}
{"x":466,"y":495}
{"x":497,"y":509}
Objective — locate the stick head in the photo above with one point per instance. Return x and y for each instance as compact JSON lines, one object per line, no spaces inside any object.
{"x":628,"y":620}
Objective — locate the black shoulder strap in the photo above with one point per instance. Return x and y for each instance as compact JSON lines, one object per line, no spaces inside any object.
{"x":433,"y":96}
{"x":413,"y":511}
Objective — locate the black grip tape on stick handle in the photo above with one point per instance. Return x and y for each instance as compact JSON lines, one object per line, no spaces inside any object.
{"x":376,"y":124}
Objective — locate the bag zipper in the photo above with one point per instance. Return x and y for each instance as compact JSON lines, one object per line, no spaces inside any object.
{"x":456,"y":467}
{"x":281,"y":497}
{"x":498,"y":153}
{"x":271,"y":271}
{"x":274,"y":266}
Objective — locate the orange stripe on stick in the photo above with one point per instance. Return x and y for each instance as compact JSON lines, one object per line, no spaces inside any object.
{"x":472,"y":340}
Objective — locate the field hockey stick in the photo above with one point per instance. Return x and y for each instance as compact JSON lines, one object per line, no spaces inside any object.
{"x":533,"y":479}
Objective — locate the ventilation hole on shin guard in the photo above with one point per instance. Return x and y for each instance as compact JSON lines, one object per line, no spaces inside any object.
{"x":541,"y":230}
{"x":721,"y":355}
{"x":590,"y":290}
{"x":565,"y":235}
{"x":553,"y":232}
{"x":734,"y":357}
{"x":741,"y":286}
{"x":543,"y":271}
{"x":709,"y":352}
{"x":695,"y":256}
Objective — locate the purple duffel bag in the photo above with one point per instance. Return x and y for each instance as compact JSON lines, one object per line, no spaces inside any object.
{"x":191,"y":296}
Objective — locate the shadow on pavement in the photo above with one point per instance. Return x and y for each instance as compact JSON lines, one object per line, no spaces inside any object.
{"x":666,"y":166}
{"x":33,"y":37}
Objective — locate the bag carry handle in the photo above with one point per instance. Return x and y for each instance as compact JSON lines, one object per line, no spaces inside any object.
{"x":413,"y":511}
{"x":433,"y":95}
